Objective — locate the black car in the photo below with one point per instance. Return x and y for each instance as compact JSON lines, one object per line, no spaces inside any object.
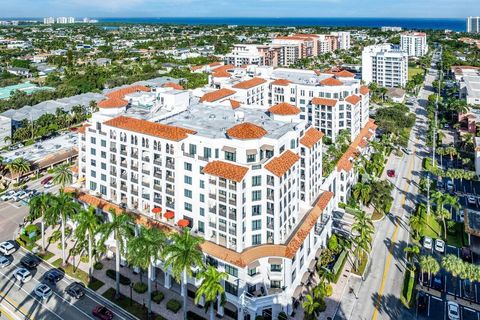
{"x":466,"y":254}
{"x":422,"y":302}
{"x":54,"y":275}
{"x":76,"y":290}
{"x":30,"y":262}
{"x":437,"y":282}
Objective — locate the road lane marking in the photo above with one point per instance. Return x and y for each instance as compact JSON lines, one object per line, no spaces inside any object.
{"x":14,"y":304}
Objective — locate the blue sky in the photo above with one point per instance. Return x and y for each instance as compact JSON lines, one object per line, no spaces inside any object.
{"x":241,"y":8}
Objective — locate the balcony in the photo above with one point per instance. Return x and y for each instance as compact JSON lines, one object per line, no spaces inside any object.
{"x":134,"y":180}
{"x":146,"y":159}
{"x":212,"y":196}
{"x":232,"y":187}
{"x":123,"y":164}
{"x":135,"y":192}
{"x":170,"y":179}
{"x":123,"y":152}
{"x":170,"y":165}
{"x":157,"y":187}
{"x":157,"y":201}
{"x":146,"y":184}
{"x":270,"y":211}
{"x":212,"y":209}
{"x":113,"y":161}
{"x":113,"y":173}
{"x":145,"y":171}
{"x":113,"y":185}
{"x":222,"y":199}
{"x":113,"y":149}
{"x":171,"y":205}
{"x":158,"y":162}
{"x":232,"y":216}
{"x":134,"y":168}
{"x":135,"y":155}
{"x":146,"y":196}
{"x":222,"y":212}
{"x":232,"y":202}
{"x":157,"y":174}
{"x":222,"y":184}
{"x":123,"y":188}
{"x":170,"y":191}
{"x":186,"y":154}
{"x":212,"y":225}
{"x":212,"y":181}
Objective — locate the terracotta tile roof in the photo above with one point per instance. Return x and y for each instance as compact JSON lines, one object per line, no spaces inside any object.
{"x":222,"y":71}
{"x":294,"y":38}
{"x":324,"y":102}
{"x":120,"y":93}
{"x":226,"y":170}
{"x":250,"y":83}
{"x":173,"y":85}
{"x":234,"y":103}
{"x":311,"y":137}
{"x":83,"y":128}
{"x":246,"y":131}
{"x":284,"y":109}
{"x":74,"y":169}
{"x":340,"y":72}
{"x":353,"y":99}
{"x":214,"y":64}
{"x":281,"y":82}
{"x":331,"y":82}
{"x":216,"y":95}
{"x":195,"y":68}
{"x":364,"y":90}
{"x":112,"y":103}
{"x":279,"y":165}
{"x":149,"y":128}
{"x":345,"y":163}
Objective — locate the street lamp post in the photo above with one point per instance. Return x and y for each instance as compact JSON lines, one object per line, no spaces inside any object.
{"x":131,"y":297}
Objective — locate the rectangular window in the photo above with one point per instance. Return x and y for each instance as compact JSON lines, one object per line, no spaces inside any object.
{"x":103,"y":177}
{"x":275,"y":284}
{"x":207,"y":153}
{"x":256,"y":225}
{"x":188,"y":166}
{"x":201,"y":226}
{"x":187,"y":193}
{"x":93,"y":151}
{"x":202,"y":184}
{"x":202,"y":198}
{"x":93,"y":186}
{"x":251,"y":158}
{"x":93,"y":140}
{"x":231,"y":270}
{"x":192,"y":149}
{"x":93,"y":174}
{"x":230,"y":156}
{"x":103,"y":143}
{"x":275,"y":267}
{"x":103,"y":154}
{"x":103,"y":165}
{"x":103,"y":190}
{"x":256,"y":195}
{"x":187,"y":180}
{"x":256,"y":181}
{"x":202,"y":212}
{"x":252,"y":272}
{"x":188,"y":206}
{"x":256,"y":210}
{"x":256,"y":239}
{"x":231,"y":288}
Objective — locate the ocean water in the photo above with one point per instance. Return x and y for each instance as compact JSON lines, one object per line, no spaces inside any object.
{"x":406,"y":23}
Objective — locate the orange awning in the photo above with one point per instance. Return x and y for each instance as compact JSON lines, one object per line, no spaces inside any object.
{"x":169,"y":215}
{"x":157,"y":210}
{"x":183,"y":223}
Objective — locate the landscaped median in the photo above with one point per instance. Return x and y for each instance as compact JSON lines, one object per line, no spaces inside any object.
{"x":407,"y":288}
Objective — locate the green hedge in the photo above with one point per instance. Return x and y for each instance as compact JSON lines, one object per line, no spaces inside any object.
{"x":408,"y":286}
{"x":140,"y":287}
{"x":174,"y":305}
{"x":338,"y":266}
{"x":112,"y":274}
{"x":157,"y":296}
{"x":98,"y":265}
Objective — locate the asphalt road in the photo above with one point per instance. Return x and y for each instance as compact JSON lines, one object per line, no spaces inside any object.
{"x":22,"y":303}
{"x":379,"y":294}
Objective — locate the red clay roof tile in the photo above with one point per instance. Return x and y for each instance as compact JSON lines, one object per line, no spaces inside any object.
{"x":250,"y":83}
{"x":281,"y":164}
{"x":246,"y":131}
{"x":311,"y":137}
{"x":284,"y":109}
{"x":353,"y":99}
{"x":226,"y":170}
{"x":216,"y":95}
{"x":324,"y":102}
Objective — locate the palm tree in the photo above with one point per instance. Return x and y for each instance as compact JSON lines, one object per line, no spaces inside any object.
{"x":121,"y":227}
{"x":362,"y":229}
{"x":39,"y":206}
{"x":211,"y":288}
{"x":429,"y":265}
{"x":144,"y":250}
{"x":181,"y":255}
{"x":311,"y":308}
{"x":416,"y":224}
{"x":454,"y":265}
{"x":63,"y":207}
{"x":88,"y":223}
{"x":451,"y":151}
{"x":441,"y":152}
{"x":62,"y":175}
{"x":362,"y":192}
{"x":412,"y":252}
{"x":18,"y":167}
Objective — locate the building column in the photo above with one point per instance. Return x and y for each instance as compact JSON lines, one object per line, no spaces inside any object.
{"x":168,"y":280}
{"x":220,"y":310}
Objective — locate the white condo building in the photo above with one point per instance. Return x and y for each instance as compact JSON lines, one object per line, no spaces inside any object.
{"x":49,"y":20}
{"x":343,"y":39}
{"x":386,"y":65}
{"x":65,"y":20}
{"x":473,"y":24}
{"x":414,"y":43}
{"x":244,"y":54}
{"x":240,"y":163}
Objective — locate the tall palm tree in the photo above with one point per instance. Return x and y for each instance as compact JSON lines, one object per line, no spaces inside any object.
{"x":455,"y":266}
{"x":311,"y":308}
{"x":62,"y":175}
{"x":39,"y":206}
{"x":18,"y":167}
{"x":63,"y":207}
{"x":451,"y":151}
{"x":88,"y":223}
{"x":416,"y":223}
{"x":362,"y":192}
{"x":144,"y":250}
{"x":181,"y":255}
{"x":412,"y":252}
{"x":211,"y":288}
{"x":429,"y":265}
{"x":121,"y":228}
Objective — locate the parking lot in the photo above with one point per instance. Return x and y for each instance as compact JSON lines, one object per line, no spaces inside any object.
{"x":437,"y":309}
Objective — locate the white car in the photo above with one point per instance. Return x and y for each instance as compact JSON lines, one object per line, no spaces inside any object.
{"x":4,"y":262}
{"x":471,"y":199}
{"x":43,"y":291}
{"x":427,"y":243}
{"x":453,"y":310}
{"x":440,"y":246}
{"x":7,"y":248}
{"x":23,"y":275}
{"x":449,"y":185}
{"x":7,"y":195}
{"x":18,"y":196}
{"x":48,"y":185}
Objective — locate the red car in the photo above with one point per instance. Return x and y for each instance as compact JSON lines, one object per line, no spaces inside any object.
{"x":102,"y":313}
{"x":46,"y":180}
{"x":391,"y":173}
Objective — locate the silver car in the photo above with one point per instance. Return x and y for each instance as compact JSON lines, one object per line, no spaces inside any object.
{"x":4,"y":262}
{"x":43,"y":291}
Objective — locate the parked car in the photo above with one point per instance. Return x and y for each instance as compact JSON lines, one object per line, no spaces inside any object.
{"x":46,"y":180}
{"x":466,"y":254}
{"x":422,"y":302}
{"x":75,"y":290}
{"x":22,"y":275}
{"x":427,"y":243}
{"x":437,"y":282}
{"x":471,"y":199}
{"x":7,"y":248}
{"x":18,"y":196}
{"x":4,"y":262}
{"x":102,"y":313}
{"x":43,"y":291}
{"x":48,"y":185}
{"x":7,"y":195}
{"x":453,"y":310}
{"x":440,"y":246}
{"x":407,"y":151}
{"x":391,"y":173}
{"x":30,"y":262}
{"x":54,"y":275}
{"x":450,"y":185}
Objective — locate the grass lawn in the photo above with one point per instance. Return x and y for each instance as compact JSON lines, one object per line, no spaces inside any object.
{"x":135,"y":308}
{"x":413,"y":71}
{"x":433,"y":228}
{"x":362,"y":265}
{"x":95,"y":284}
{"x":45,"y":256}
{"x":75,"y":273}
{"x":457,"y":239}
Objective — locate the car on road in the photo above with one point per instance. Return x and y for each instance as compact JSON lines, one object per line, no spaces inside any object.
{"x":391,"y":173}
{"x":7,"y":195}
{"x":427,"y":243}
{"x":30,"y":262}
{"x":18,"y":196}
{"x":46,"y":180}
{"x":53,"y":275}
{"x":4,"y":262}
{"x":76,"y":290}
{"x":22,"y":275}
{"x":437,"y":282}
{"x":102,"y":313}
{"x":407,"y":151}
{"x":471,"y":199}
{"x":422,"y":302}
{"x":466,"y":254}
{"x":7,"y":248}
{"x":43,"y":291}
{"x":440,"y":245}
{"x":453,"y":310}
{"x":48,"y":185}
